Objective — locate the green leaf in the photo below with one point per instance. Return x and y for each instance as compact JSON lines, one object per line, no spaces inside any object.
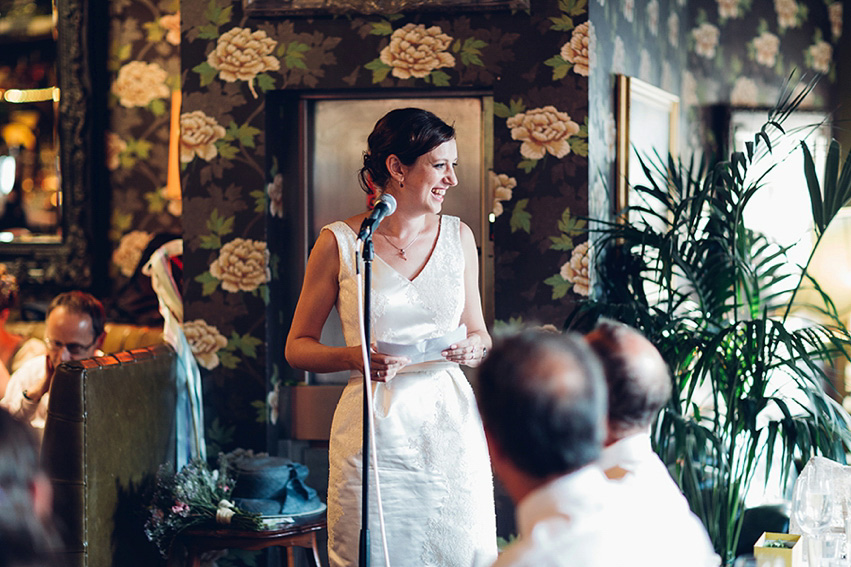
{"x":521,"y":219}
{"x":379,"y":70}
{"x":208,"y":31}
{"x":560,"y":285}
{"x":157,"y":107}
{"x":207,"y":73}
{"x":211,"y":242}
{"x":245,"y":344}
{"x":226,"y":150}
{"x":265,"y":82}
{"x":500,"y":110}
{"x":562,"y":243}
{"x":382,"y":28}
{"x":260,"y":406}
{"x":578,"y":146}
{"x":516,"y":107}
{"x":294,"y":57}
{"x":244,"y":134}
{"x":228,"y":359}
{"x":527,"y":165}
{"x":209,"y":284}
{"x":259,"y":200}
{"x":562,"y":23}
{"x":439,"y":78}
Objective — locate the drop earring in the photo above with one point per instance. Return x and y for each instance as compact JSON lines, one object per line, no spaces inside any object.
{"x":401,"y":183}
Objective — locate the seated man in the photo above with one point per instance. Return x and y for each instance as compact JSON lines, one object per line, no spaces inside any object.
{"x":639,"y":385}
{"x":74,"y":330}
{"x":542,"y":397}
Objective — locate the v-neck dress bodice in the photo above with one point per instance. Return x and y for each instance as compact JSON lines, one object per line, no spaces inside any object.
{"x":435,"y":473}
{"x":403,"y":310}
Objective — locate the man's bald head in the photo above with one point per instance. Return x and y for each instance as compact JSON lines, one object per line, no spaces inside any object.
{"x":638,"y":379}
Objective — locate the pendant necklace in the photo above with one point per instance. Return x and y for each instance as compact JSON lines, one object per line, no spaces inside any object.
{"x":401,"y":250}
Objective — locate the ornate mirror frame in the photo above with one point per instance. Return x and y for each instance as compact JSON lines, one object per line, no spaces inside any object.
{"x":69,"y":262}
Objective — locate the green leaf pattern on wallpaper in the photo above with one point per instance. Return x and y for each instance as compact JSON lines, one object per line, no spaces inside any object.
{"x":574,"y":274}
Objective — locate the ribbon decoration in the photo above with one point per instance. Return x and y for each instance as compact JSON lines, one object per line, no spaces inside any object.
{"x":225,"y":511}
{"x":190,"y":409}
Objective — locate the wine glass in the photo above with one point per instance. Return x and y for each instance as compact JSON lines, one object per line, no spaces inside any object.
{"x":812,"y":507}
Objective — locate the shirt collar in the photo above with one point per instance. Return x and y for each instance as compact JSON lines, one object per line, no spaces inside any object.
{"x":574,"y":493}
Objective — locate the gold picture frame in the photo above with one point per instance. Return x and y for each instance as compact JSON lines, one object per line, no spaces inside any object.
{"x":647,"y":122}
{"x":287,"y":8}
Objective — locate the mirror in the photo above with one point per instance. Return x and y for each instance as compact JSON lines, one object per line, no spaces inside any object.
{"x":30,"y":201}
{"x":45,"y":141}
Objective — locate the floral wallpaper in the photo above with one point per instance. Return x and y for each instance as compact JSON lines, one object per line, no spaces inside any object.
{"x":553,"y":154}
{"x":143,"y":63}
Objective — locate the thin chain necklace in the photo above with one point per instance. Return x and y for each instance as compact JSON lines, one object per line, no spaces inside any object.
{"x":401,"y":250}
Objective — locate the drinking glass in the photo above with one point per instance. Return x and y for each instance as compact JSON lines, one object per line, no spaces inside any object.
{"x":812,"y":507}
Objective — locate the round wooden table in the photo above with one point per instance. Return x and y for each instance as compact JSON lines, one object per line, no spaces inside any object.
{"x":301,"y":533}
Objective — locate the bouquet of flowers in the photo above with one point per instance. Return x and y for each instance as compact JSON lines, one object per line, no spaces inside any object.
{"x":194,"y":497}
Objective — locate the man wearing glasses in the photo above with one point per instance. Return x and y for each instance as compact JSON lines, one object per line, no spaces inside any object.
{"x":74,"y":330}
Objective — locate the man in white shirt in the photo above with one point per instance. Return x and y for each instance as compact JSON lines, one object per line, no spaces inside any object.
{"x":542,"y":398}
{"x":74,"y":330}
{"x":639,"y":385}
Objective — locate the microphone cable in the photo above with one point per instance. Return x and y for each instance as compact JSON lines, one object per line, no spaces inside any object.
{"x":367,"y":392}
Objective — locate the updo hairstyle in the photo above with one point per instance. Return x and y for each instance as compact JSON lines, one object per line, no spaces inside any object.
{"x":406,"y":133}
{"x":8,"y":289}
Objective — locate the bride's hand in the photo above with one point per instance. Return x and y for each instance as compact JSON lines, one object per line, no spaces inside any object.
{"x":470,"y":352}
{"x":384,"y":367}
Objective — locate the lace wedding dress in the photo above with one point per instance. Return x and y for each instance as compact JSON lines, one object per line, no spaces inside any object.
{"x":435,"y":474}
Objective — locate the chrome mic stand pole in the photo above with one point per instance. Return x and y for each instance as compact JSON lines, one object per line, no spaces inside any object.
{"x":368,"y":255}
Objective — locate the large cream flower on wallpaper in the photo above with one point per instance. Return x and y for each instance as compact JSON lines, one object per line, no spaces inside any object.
{"x":705,"y":39}
{"x":198,"y":136}
{"x":242,"y":265}
{"x":577,"y":271}
{"x":834,"y":13}
{"x":728,"y":8}
{"x":416,"y":51}
{"x":129,"y":251}
{"x":766,"y":46}
{"x":205,"y":341}
{"x":542,"y":130}
{"x":787,"y":13}
{"x":580,"y":48}
{"x":171,"y":24}
{"x":139,"y":83}
{"x":819,"y":56}
{"x":744,"y":93}
{"x":114,"y":146}
{"x":241,"y":55}
{"x":502,"y":187}
{"x":275,"y":192}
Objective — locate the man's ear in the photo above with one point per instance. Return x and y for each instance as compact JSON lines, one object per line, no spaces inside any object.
{"x":99,"y":342}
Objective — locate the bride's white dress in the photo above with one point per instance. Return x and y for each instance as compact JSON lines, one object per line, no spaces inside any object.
{"x":435,"y":473}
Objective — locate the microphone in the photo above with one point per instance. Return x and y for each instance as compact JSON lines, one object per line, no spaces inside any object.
{"x":384,"y":207}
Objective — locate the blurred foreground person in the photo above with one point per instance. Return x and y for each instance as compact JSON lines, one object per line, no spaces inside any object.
{"x":639,"y":385}
{"x":542,"y":397}
{"x":27,"y":536}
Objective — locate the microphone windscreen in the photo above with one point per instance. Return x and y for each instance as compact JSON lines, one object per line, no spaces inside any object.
{"x":388,"y":200}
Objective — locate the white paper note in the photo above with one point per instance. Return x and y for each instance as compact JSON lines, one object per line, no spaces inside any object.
{"x":427,"y":350}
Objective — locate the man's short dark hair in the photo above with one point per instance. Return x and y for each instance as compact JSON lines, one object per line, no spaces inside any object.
{"x":542,"y":398}
{"x":638,"y":388}
{"x":84,"y":304}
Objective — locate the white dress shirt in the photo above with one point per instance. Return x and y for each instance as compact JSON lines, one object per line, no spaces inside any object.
{"x":25,"y":378}
{"x":585,"y":520}
{"x":637,"y":469}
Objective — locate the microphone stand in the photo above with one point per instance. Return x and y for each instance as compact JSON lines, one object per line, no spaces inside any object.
{"x":368,"y":255}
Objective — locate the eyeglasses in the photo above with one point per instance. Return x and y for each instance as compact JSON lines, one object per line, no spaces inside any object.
{"x":75,"y":349}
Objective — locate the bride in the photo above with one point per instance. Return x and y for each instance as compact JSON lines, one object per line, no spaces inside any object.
{"x":434,"y":470}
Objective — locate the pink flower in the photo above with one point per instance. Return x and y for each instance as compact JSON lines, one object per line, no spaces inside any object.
{"x":180,"y":508}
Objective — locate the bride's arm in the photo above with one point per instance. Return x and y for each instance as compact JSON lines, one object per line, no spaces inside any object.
{"x":470,"y":351}
{"x":318,"y":295}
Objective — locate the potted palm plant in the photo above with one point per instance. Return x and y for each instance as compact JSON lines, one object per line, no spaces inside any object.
{"x":715,"y":297}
